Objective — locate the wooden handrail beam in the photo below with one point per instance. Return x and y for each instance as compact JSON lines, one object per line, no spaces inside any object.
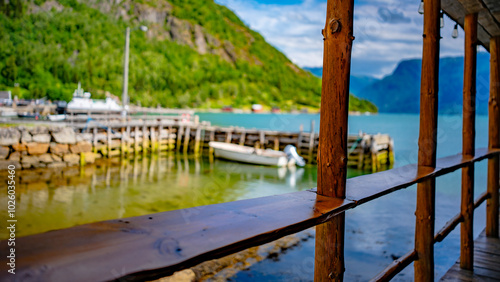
{"x":395,"y":267}
{"x":153,"y":246}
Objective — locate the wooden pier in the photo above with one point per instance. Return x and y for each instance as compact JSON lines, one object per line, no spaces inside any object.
{"x":486,"y":262}
{"x":160,"y":134}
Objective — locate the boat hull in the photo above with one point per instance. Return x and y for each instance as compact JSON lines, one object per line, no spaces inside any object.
{"x":250,"y":155}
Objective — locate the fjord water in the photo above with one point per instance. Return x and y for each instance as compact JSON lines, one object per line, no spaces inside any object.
{"x":376,"y":232}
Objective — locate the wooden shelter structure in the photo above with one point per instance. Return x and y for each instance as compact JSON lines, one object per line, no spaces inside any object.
{"x":148,"y":247}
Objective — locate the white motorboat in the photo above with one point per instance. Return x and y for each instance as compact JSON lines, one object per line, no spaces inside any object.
{"x":60,"y":117}
{"x":245,"y":154}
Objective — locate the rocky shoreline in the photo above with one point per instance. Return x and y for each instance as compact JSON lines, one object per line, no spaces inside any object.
{"x":40,"y":147}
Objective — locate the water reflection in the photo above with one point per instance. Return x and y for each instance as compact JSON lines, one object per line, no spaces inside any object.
{"x":51,"y":199}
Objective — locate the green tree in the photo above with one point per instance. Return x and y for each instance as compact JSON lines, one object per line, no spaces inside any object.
{"x":9,"y":71}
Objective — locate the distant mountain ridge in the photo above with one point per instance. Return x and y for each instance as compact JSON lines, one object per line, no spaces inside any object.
{"x":399,"y":92}
{"x":357,"y":83}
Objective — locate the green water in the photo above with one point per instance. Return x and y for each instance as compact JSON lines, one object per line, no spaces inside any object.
{"x":55,"y":199}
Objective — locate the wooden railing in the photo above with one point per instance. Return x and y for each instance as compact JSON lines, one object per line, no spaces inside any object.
{"x":154,"y":246}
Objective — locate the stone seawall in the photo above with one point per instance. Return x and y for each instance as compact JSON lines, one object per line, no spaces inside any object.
{"x":40,"y":147}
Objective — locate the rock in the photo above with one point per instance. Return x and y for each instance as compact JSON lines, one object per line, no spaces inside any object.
{"x":181,"y":31}
{"x":19,"y":147}
{"x":41,"y":138}
{"x":65,"y":136}
{"x":79,"y":137}
{"x":39,"y":165}
{"x":80,"y":147}
{"x":71,"y":159}
{"x":29,"y":161}
{"x":86,"y":137}
{"x":38,"y":130}
{"x":186,"y":275}
{"x":230,"y":50}
{"x":6,"y":164}
{"x":56,"y":148}
{"x":89,"y":157}
{"x":56,"y":165}
{"x":56,"y":158}
{"x":9,"y":136}
{"x":15,"y":157}
{"x":199,"y":40}
{"x":26,"y":137}
{"x":37,"y":148}
{"x":46,"y":158}
{"x":4,"y":152}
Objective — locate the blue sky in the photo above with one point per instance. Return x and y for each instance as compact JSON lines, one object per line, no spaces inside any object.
{"x":386,"y":31}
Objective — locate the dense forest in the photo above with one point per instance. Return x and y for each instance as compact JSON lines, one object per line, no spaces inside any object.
{"x":195,"y":54}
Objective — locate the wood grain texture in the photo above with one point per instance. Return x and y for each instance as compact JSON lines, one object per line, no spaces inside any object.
{"x":427,"y":143}
{"x":492,"y":218}
{"x":332,"y":156}
{"x":395,"y":267}
{"x":468,"y":142}
{"x":148,"y":247}
{"x":486,"y":262}
{"x":332,"y":149}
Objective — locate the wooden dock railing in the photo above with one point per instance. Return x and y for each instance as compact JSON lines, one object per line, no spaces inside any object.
{"x":156,"y":134}
{"x":153,"y":246}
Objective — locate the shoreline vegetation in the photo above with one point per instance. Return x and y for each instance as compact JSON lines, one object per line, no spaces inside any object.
{"x":195,"y":54}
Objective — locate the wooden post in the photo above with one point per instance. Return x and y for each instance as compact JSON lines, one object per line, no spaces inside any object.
{"x":426,"y":190}
{"x":197,"y":140}
{"x":332,"y":150}
{"x":373,"y":154}
{"x":187,"y":135}
{"x":299,"y":138}
{"x":229,"y":136}
{"x":276,"y":143}
{"x":152,"y":141}
{"x":109,"y":141}
{"x":242,"y":137}
{"x":493,"y":139}
{"x":122,"y":142}
{"x":169,"y":138}
{"x":94,"y":130}
{"x":312,"y":137}
{"x":212,"y":138}
{"x":180,"y":131}
{"x":136,"y":140}
{"x":361,"y":156}
{"x":144,"y":138}
{"x":160,"y":129}
{"x":128,"y":139}
{"x":262,"y":139}
{"x":468,"y":138}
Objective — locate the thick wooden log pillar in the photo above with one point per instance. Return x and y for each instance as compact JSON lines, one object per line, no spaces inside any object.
{"x":494,"y":139}
{"x":426,"y":190}
{"x":332,"y":151}
{"x":468,"y":142}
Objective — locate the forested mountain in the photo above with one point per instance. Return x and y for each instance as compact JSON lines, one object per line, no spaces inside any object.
{"x":195,"y":53}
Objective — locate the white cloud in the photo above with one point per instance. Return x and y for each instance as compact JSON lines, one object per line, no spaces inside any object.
{"x":386,"y":31}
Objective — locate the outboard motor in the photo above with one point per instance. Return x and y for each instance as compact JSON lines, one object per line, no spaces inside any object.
{"x":291,"y":153}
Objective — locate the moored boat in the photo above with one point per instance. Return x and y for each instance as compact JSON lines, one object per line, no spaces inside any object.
{"x":245,"y":154}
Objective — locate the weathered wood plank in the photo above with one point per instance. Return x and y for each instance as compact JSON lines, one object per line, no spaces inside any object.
{"x":148,"y":247}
